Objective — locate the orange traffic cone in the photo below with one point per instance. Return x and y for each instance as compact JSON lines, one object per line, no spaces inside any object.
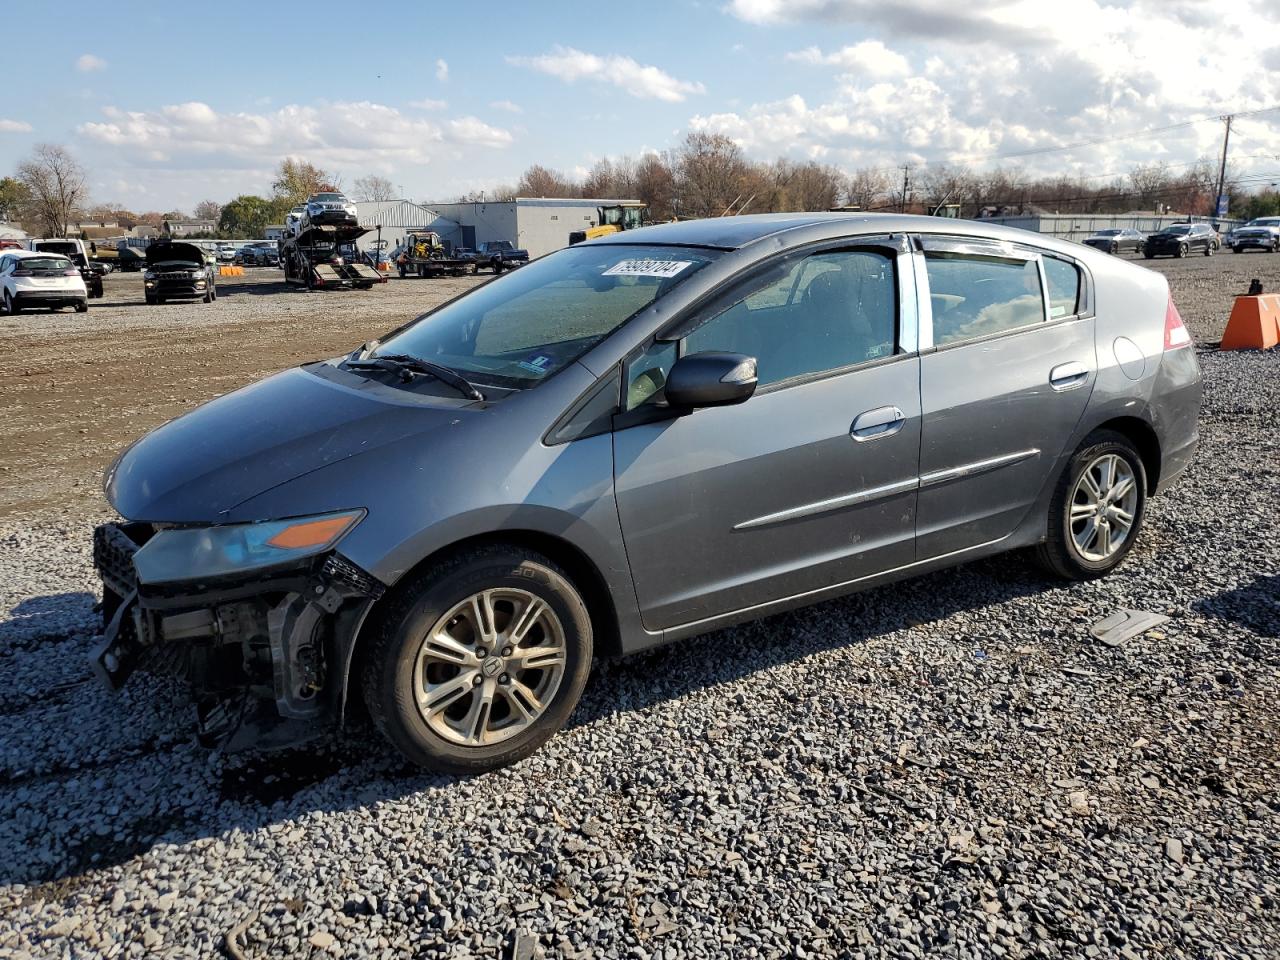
{"x":1254,"y":323}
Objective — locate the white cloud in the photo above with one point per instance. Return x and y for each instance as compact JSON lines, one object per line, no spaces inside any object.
{"x":442,"y":71}
{"x":506,"y":105}
{"x":870,"y":58}
{"x":429,"y":104}
{"x":87,"y":63}
{"x":1003,"y":77}
{"x":337,"y":134}
{"x":14,"y":126}
{"x":473,"y":130}
{"x":637,"y":79}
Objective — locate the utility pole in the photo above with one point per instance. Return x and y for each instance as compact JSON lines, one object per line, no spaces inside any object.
{"x":1222,"y":170}
{"x":906,"y":186}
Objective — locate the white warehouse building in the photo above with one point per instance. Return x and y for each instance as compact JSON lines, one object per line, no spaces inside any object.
{"x":536,"y":224}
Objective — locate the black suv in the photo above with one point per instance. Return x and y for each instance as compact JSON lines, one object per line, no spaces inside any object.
{"x":1181,"y":239}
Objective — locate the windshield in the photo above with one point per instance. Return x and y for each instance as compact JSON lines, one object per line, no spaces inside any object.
{"x":328,"y":198}
{"x":1176,"y":231}
{"x":520,"y":329}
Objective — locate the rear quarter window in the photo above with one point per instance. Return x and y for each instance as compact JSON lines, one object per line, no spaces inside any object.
{"x":1063,"y":279}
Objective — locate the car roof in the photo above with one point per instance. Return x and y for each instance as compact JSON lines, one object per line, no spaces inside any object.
{"x":34,"y":253}
{"x":732,"y":233}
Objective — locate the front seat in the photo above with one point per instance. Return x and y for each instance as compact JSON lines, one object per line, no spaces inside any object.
{"x":822,"y":331}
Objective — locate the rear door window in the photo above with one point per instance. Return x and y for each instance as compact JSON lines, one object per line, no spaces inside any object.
{"x":974,"y":295}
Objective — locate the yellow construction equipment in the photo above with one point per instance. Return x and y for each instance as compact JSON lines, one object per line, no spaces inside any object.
{"x":614,"y":218}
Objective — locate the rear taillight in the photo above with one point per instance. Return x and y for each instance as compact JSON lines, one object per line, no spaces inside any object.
{"x":1175,"y":331}
{"x":71,"y":273}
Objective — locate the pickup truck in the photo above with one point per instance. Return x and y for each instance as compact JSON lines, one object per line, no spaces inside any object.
{"x":499,"y":255}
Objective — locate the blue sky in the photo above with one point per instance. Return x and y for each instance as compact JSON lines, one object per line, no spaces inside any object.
{"x":165,"y":110}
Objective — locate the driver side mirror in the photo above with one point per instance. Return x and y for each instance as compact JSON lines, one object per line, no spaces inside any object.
{"x":710,"y":380}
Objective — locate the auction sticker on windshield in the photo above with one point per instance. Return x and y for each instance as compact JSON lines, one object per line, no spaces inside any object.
{"x":647,"y":268}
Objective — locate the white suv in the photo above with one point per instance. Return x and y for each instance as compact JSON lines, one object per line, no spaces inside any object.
{"x":30,"y":279}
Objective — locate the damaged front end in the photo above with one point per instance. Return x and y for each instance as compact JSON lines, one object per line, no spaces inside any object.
{"x":266,"y":648}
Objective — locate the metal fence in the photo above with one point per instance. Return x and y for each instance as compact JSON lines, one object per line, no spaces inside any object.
{"x":1065,"y":226}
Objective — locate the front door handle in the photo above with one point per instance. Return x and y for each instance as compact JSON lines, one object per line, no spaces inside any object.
{"x":1068,"y":376}
{"x":877,"y":423}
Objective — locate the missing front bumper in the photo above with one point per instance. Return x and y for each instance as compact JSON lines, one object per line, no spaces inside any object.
{"x":266,"y":657}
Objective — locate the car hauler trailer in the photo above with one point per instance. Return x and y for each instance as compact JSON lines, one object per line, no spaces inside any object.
{"x":325,"y":258}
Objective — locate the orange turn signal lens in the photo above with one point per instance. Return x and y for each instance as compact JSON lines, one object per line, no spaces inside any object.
{"x":313,"y":533}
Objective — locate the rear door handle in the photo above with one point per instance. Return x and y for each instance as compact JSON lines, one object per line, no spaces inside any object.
{"x":1068,"y":376}
{"x":877,"y":423}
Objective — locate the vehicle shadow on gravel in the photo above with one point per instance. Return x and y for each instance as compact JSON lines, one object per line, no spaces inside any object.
{"x":1255,"y":606}
{"x":105,"y":820}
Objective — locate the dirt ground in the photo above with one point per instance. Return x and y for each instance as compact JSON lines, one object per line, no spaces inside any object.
{"x":76,"y":389}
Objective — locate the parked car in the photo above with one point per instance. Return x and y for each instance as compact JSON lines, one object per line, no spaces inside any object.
{"x":226,"y":253}
{"x":261,"y":253}
{"x":499,"y":255}
{"x":293,"y":220}
{"x":1262,"y":233}
{"x":75,"y":251}
{"x":680,"y":427}
{"x":31,"y":280}
{"x":1123,"y":240}
{"x":1181,"y":239}
{"x":329,"y":209}
{"x":178,"y":271}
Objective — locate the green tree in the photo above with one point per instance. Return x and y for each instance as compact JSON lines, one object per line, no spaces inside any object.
{"x":246,"y":216}
{"x":296,"y":180}
{"x":14,"y":198}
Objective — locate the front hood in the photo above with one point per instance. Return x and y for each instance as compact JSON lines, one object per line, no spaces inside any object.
{"x":198,"y":467}
{"x":175,"y":253}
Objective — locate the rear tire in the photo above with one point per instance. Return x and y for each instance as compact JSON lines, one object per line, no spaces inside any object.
{"x":82,"y":306}
{"x":1208,"y":250}
{"x":452,"y":705}
{"x":1087,"y":516}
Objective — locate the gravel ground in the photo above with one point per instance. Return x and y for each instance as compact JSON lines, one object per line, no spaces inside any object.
{"x":949,"y":765}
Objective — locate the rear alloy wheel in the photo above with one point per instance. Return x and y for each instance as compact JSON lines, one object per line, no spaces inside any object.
{"x":1097,"y":509}
{"x":480,"y":662}
{"x":1115,"y":248}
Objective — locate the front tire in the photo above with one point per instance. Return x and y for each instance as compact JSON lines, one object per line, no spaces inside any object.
{"x":1183,"y":250}
{"x":11,"y":307}
{"x":479,"y":661}
{"x":1097,"y":509}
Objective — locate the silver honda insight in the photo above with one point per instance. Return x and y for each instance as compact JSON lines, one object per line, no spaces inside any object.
{"x":628,"y":442}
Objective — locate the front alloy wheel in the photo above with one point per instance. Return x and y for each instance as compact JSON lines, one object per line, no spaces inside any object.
{"x":489,"y":667}
{"x":478,"y":660}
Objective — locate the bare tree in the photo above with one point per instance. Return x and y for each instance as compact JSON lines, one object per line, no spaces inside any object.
{"x":54,"y":182}
{"x":867,"y":189}
{"x":655,"y":184}
{"x":711,"y":174}
{"x":540,"y":181}
{"x":373,"y":188}
{"x":1149,"y":181}
{"x":208,"y":210}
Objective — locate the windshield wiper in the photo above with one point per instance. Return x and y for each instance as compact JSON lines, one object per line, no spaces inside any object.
{"x":406,"y":366}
